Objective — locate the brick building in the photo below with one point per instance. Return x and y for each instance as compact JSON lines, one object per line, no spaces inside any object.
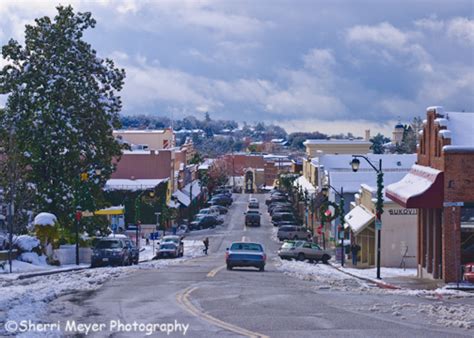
{"x":236,"y":164}
{"x":441,"y":187}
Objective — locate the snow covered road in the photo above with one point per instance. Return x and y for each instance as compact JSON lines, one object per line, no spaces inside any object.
{"x":29,"y":298}
{"x":440,"y":306}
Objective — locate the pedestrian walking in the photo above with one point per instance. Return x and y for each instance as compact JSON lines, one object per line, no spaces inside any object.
{"x":206,"y":245}
{"x":355,"y":248}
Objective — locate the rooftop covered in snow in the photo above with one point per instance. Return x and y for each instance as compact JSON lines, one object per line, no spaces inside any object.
{"x":133,"y":185}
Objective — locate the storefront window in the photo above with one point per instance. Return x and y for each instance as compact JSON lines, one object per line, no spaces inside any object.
{"x":467,"y":218}
{"x":467,"y":235}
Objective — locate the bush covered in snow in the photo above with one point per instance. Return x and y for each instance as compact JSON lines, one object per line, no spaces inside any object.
{"x":32,"y":258}
{"x":44,"y":219}
{"x":26,"y":243}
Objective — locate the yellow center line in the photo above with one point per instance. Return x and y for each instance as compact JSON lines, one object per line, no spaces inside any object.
{"x":183,"y":300}
{"x":214,"y":271}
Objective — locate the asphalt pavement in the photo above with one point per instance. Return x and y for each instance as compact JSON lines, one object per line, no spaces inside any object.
{"x":215,"y":302}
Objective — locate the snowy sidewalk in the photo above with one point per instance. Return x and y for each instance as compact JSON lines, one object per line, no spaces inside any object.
{"x":28,"y":298}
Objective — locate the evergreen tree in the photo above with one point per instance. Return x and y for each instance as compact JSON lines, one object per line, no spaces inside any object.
{"x":377,"y":143}
{"x":63,"y":105}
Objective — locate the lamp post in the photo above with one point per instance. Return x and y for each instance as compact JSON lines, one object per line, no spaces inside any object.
{"x":355,"y":164}
{"x":325,"y":191}
{"x":84,"y":177}
{"x":78,"y":221}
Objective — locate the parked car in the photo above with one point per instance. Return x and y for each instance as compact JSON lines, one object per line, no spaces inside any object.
{"x":245,"y":254}
{"x":223,"y":200}
{"x":223,"y":191}
{"x":469,"y":272}
{"x":302,"y":250}
{"x":293,"y":232}
{"x":283,"y":216}
{"x":111,"y":251}
{"x":279,"y":205}
{"x":182,"y":229}
{"x":209,"y":211}
{"x":203,"y":222}
{"x":252,"y":217}
{"x":222,"y":210}
{"x":282,"y":223}
{"x":276,"y":199}
{"x":167,"y":250}
{"x":176,"y":240}
{"x":281,"y":209}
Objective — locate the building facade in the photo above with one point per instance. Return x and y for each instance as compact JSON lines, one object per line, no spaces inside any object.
{"x":398,"y":233}
{"x":147,"y":139}
{"x":441,"y":187}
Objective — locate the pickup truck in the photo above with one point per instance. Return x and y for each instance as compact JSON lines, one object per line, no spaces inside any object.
{"x":252,"y":217}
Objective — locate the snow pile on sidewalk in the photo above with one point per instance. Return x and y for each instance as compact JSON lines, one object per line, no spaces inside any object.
{"x":28,"y":298}
{"x":33,"y":258}
{"x":19,"y":267}
{"x":326,"y":276}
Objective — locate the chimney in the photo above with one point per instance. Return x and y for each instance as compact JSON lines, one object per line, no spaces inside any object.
{"x":367,"y":134}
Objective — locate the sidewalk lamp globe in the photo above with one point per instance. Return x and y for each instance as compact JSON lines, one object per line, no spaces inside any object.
{"x":355,"y":164}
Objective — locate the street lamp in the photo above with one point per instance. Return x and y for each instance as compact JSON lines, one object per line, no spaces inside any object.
{"x":325,"y":191}
{"x":355,"y":164}
{"x":84,"y":177}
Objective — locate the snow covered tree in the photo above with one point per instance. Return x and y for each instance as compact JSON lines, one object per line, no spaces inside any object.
{"x":63,"y":104}
{"x":378,"y":142}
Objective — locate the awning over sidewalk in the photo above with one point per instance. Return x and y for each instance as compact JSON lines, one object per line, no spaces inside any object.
{"x":111,"y":211}
{"x":182,"y":198}
{"x":184,"y":195}
{"x":305,"y":184}
{"x":193,"y":188}
{"x":133,"y":185}
{"x":358,"y":219}
{"x":422,"y":187}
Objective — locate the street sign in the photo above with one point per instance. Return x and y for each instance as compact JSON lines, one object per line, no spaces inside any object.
{"x":154,"y":235}
{"x":453,"y":204}
{"x":378,"y":224}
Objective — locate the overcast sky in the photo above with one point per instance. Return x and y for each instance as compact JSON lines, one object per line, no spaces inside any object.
{"x":332,"y":66}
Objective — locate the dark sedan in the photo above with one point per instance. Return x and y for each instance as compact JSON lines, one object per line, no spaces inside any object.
{"x":223,"y":200}
{"x":112,"y":251}
{"x":203,"y":222}
{"x":245,"y":254}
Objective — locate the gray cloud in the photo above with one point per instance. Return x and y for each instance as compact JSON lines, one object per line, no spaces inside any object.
{"x":300,"y":63}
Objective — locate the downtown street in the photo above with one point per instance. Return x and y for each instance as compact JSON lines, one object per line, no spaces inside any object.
{"x":289,"y":299}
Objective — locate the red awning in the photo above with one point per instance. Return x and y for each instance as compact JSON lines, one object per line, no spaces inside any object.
{"x":422,"y":187}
